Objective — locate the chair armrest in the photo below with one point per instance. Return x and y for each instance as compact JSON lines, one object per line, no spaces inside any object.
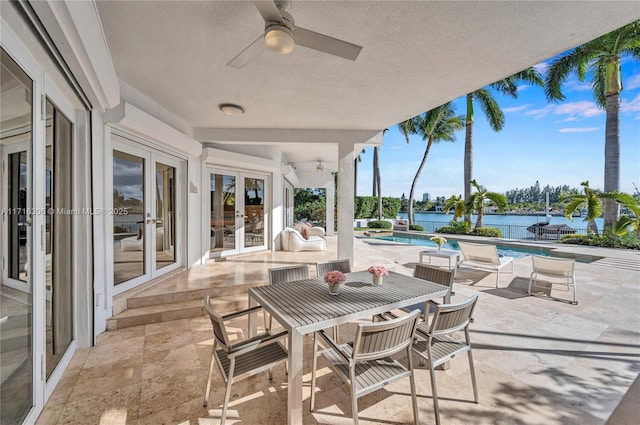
{"x":334,"y":345}
{"x":241,"y":313}
{"x":254,"y":343}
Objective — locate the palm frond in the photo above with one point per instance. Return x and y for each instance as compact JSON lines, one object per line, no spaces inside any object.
{"x":594,"y":208}
{"x":598,"y":83}
{"x":621,"y":226}
{"x":491,"y":109}
{"x":575,"y":202}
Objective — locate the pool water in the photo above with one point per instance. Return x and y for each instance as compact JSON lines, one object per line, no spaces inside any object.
{"x":503,"y":250}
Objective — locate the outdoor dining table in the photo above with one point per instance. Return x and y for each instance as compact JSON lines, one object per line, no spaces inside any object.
{"x":305,"y":306}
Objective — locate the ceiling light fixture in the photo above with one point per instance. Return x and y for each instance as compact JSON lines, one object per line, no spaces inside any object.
{"x":230,"y":109}
{"x":279,"y":38}
{"x":320,"y":166}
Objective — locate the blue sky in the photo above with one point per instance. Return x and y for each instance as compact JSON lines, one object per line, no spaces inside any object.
{"x":554,"y":143}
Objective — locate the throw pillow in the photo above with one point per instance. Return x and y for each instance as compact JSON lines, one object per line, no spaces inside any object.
{"x":304,"y":232}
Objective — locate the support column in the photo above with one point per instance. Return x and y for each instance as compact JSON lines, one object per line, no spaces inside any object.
{"x":346,"y":192}
{"x":330,"y":218}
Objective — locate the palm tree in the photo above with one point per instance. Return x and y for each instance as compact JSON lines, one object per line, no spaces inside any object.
{"x":592,"y":200}
{"x":627,"y":221}
{"x":377,"y":190}
{"x":480,"y":198}
{"x":434,"y":126}
{"x":494,"y":115}
{"x":455,"y":203}
{"x":601,"y":59}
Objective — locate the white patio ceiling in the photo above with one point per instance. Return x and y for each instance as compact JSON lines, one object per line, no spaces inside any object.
{"x":416,"y":55}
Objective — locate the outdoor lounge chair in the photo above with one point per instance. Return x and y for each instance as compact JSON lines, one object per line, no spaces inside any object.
{"x":435,"y":342}
{"x":241,"y":359}
{"x":293,"y":241}
{"x":563,"y":268}
{"x":484,"y":256}
{"x":366,"y":364}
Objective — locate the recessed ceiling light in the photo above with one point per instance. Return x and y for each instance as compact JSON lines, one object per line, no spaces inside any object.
{"x":230,"y":109}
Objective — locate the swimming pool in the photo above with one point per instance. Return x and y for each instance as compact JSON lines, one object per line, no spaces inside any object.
{"x":503,"y":250}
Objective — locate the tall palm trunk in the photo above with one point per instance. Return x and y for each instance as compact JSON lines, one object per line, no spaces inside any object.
{"x":468,"y":153}
{"x":480,"y":219}
{"x":415,"y":181}
{"x":612,"y":141}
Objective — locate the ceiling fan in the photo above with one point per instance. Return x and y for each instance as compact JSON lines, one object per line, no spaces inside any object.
{"x":281,"y":34}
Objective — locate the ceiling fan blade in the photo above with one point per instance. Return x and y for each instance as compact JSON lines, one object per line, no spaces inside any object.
{"x":268,"y":10}
{"x":324,"y":43}
{"x":250,"y":53}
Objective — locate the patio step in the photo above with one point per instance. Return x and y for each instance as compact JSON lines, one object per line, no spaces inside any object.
{"x":174,"y":311}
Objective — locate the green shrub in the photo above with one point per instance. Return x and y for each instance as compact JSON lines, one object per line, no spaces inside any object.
{"x":606,"y":240}
{"x":451,"y":230}
{"x":379,"y":224}
{"x":489,"y":232}
{"x":416,"y":227}
{"x":455,"y":228}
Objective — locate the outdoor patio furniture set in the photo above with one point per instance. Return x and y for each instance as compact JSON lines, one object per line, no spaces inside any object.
{"x":405,"y":319}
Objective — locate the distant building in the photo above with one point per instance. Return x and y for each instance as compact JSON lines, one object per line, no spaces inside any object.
{"x":426,"y":197}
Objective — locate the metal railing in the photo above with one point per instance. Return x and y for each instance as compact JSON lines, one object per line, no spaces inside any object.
{"x":510,"y":231}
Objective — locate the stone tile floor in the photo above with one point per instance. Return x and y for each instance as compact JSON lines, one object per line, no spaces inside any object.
{"x":539,"y":360}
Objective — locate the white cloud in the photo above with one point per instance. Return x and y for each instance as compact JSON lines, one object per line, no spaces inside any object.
{"x":578,"y":129}
{"x":577,"y":85}
{"x":573,"y":110}
{"x":583,"y":108}
{"x":539,"y":113}
{"x":522,"y":87}
{"x":633,"y":82}
{"x":541,"y":67}
{"x":569,"y":119}
{"x":516,"y":108}
{"x":630,"y":105}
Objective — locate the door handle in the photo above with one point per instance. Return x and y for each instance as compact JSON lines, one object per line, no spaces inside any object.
{"x":151,"y":221}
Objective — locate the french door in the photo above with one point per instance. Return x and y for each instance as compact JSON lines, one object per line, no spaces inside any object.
{"x":238,"y":214}
{"x":146,"y":214}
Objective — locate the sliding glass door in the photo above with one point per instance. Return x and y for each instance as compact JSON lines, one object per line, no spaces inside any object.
{"x":16,"y":284}
{"x":145,"y":214}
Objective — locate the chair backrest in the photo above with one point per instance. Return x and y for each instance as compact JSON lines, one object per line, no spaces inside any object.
{"x":324,"y":267}
{"x":480,"y":252}
{"x":219,"y":330}
{"x":381,"y":339}
{"x":449,"y":318}
{"x":434,"y":274}
{"x":288,"y":274}
{"x":562,"y":267}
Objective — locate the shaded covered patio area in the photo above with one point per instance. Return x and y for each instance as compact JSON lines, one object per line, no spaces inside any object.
{"x":538,"y":360}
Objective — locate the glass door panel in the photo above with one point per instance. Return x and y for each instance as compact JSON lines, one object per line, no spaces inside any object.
{"x":58,"y":232}
{"x":165,"y":221}
{"x":16,"y":301}
{"x":253,"y":212}
{"x":223,"y":227}
{"x":129,"y":259}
